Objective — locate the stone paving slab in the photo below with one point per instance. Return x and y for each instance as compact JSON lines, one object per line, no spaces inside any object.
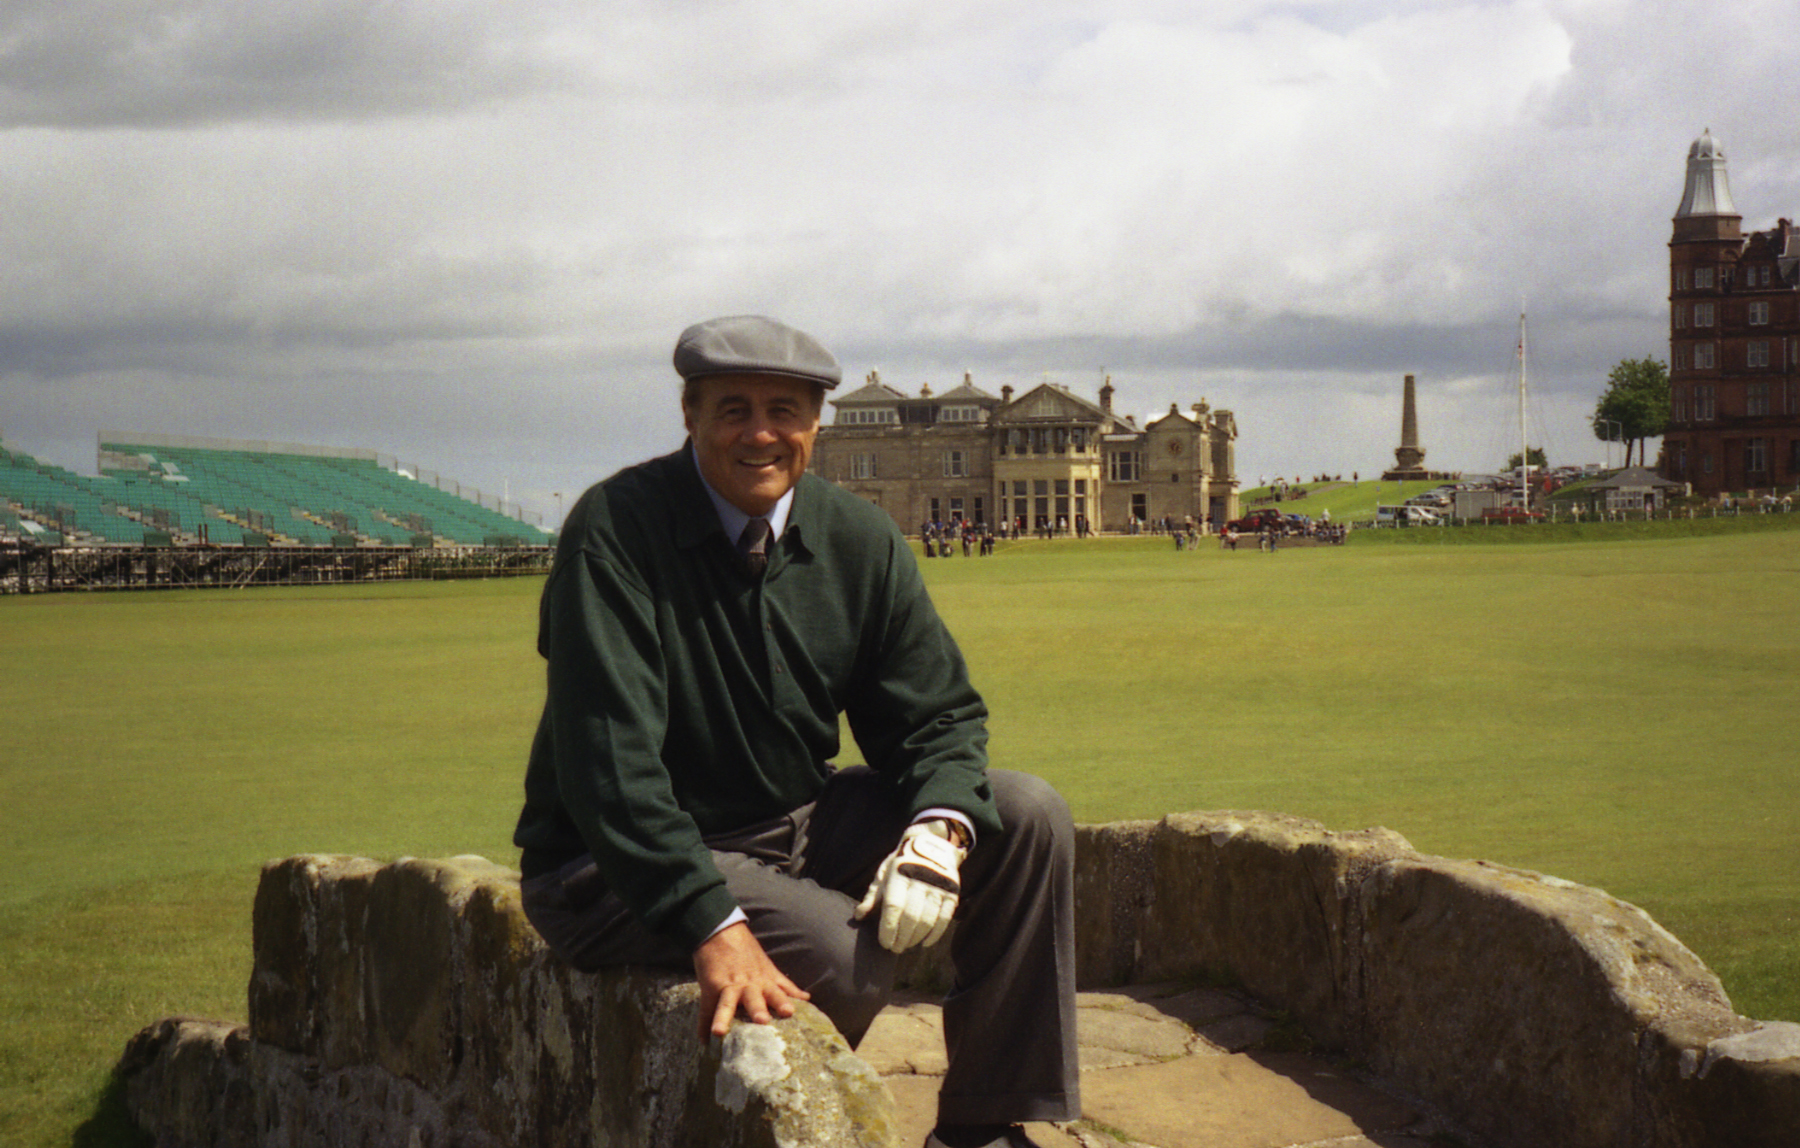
{"x":1166,"y":1066}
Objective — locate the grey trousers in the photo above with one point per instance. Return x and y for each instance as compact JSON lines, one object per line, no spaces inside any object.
{"x":1009,"y":1022}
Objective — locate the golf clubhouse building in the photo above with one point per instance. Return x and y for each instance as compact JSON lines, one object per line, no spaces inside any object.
{"x":1047,"y":457}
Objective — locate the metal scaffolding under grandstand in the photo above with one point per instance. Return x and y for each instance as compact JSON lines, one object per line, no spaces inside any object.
{"x":28,"y":568}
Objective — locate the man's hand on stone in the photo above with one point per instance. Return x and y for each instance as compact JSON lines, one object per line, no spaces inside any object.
{"x":735,"y":973}
{"x":916,"y":887}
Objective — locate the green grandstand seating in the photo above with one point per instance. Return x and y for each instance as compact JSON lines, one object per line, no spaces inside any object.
{"x":178,"y":489}
{"x":47,"y":494}
{"x":267,"y":489}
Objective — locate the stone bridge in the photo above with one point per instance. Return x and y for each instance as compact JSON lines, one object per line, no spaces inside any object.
{"x":411,"y":1004}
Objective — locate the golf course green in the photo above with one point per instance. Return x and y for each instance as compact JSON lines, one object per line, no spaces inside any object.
{"x":1616,"y":712}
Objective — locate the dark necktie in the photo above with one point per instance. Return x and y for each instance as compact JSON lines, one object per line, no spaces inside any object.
{"x":753,"y":547}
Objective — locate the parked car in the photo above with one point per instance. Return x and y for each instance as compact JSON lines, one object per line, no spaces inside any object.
{"x":1510,"y":514}
{"x":1405,"y":516}
{"x":1252,"y":523}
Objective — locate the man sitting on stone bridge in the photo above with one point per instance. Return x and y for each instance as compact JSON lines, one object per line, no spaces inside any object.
{"x":710,"y":615}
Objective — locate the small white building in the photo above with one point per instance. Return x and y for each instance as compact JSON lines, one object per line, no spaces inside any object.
{"x":1634,"y":488}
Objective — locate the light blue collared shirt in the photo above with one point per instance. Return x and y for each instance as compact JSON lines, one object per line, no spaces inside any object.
{"x":733,"y":519}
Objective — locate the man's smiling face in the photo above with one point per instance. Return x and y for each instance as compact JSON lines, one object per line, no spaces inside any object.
{"x":753,"y":435}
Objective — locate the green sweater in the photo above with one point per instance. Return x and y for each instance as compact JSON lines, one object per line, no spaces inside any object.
{"x":686,"y":700}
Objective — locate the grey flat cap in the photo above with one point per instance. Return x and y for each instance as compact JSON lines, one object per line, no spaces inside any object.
{"x":753,"y":345}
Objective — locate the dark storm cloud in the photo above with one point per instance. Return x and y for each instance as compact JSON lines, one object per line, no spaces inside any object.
{"x":1569,"y":350}
{"x":101,"y":64}
{"x":470,"y":231}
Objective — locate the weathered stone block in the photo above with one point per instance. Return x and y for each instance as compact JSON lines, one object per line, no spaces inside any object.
{"x":1745,"y":1088}
{"x":197,"y":1075}
{"x":1265,"y":900}
{"x":784,"y":1086}
{"x":306,"y":942}
{"x":1520,"y":1002}
{"x":412,"y":1003}
{"x":1114,"y":895}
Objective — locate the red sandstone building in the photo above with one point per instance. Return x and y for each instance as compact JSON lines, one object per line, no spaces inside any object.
{"x":1734,"y":341}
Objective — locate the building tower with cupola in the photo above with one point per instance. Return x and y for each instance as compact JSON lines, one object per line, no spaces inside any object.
{"x":1734,"y":341}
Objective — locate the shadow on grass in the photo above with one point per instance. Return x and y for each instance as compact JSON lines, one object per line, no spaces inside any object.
{"x":110,"y":1125}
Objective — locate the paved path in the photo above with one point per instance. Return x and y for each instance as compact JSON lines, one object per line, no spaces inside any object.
{"x":1169,"y":1066}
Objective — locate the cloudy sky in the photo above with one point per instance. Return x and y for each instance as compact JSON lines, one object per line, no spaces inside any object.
{"x":467,"y":234}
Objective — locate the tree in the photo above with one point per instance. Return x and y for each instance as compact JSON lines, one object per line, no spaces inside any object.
{"x":1635,"y":406}
{"x":1534,"y":458}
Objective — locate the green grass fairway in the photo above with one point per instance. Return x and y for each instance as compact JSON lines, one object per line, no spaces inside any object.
{"x":1620,"y":714}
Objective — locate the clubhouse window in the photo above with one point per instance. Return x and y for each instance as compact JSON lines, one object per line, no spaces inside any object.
{"x":956,"y":464}
{"x":1703,"y":314}
{"x":1703,"y":278}
{"x":1756,"y":455}
{"x":1703,"y":356}
{"x":1759,"y":312}
{"x":1703,"y":402}
{"x":1756,"y":353}
{"x":862,"y":466}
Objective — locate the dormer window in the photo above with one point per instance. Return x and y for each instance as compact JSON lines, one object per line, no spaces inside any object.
{"x":867,"y":417}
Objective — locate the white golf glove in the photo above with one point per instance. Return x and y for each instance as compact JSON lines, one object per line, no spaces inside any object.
{"x":916,"y":887}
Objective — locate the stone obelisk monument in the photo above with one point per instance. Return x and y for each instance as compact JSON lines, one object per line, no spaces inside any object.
{"x":1409,"y":456}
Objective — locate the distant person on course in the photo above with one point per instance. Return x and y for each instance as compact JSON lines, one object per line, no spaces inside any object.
{"x":709,"y":616}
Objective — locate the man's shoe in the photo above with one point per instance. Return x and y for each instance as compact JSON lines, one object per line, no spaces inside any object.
{"x":1013,"y":1137}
